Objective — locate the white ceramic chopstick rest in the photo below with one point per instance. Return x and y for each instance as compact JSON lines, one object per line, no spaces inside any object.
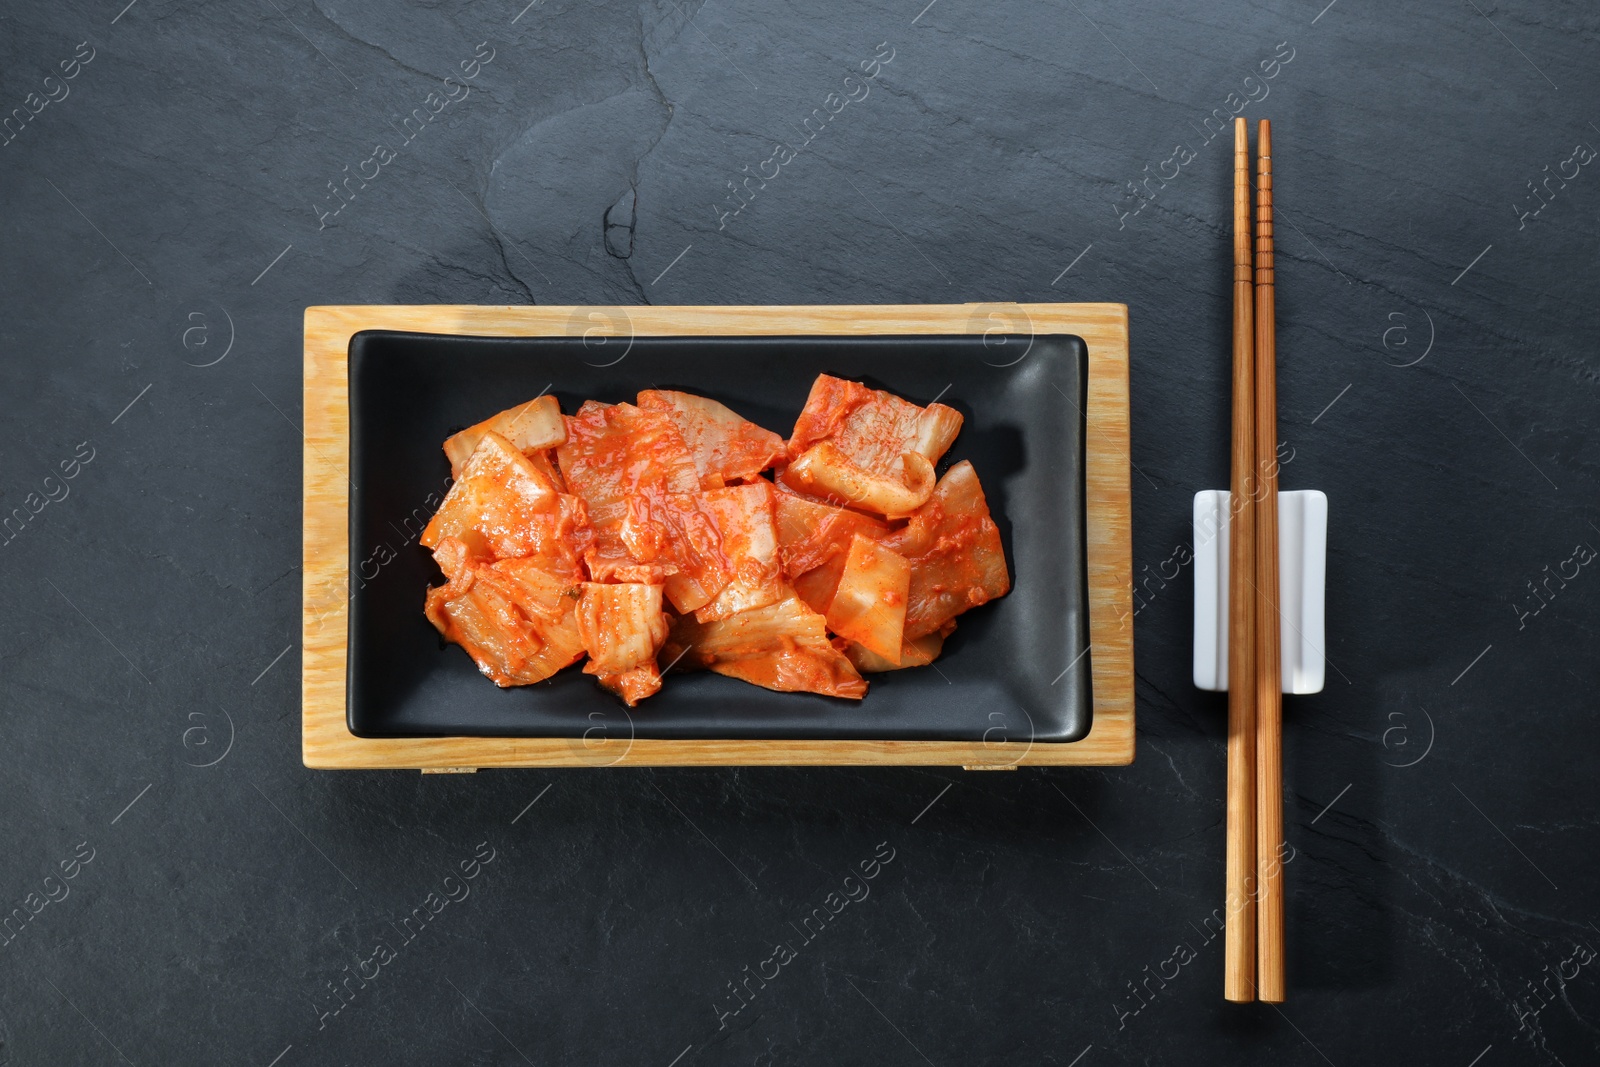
{"x":1302,"y":572}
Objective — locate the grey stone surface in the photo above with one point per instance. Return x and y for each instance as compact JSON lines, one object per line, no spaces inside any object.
{"x":1438,"y":380}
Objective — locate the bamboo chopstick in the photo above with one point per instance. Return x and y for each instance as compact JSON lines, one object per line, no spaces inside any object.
{"x":1239,"y":930}
{"x":1269,"y":683}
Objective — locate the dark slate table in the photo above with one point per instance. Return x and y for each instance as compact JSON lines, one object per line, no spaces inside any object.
{"x":182,"y":179}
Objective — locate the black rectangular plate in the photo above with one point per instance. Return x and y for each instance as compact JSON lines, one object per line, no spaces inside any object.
{"x":1014,"y":670}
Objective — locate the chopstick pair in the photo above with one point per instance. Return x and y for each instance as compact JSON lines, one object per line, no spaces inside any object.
{"x":1253,"y":967}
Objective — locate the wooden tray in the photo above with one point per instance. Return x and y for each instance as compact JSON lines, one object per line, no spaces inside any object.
{"x":326,"y":741}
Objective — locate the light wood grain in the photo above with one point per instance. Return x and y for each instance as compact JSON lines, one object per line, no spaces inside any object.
{"x":1239,"y":932}
{"x":326,"y":741}
{"x":1269,"y":680}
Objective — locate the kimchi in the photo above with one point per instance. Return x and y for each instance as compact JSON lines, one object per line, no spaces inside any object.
{"x":674,"y":534}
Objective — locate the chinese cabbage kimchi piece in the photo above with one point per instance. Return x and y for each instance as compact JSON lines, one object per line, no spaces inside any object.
{"x":622,"y":628}
{"x":612,"y":453}
{"x":748,"y":550}
{"x":727,"y":448}
{"x":514,"y":618}
{"x":810,"y":533}
{"x":635,"y":683}
{"x":869,"y":605}
{"x":502,"y":506}
{"x":782,"y":646}
{"x":817,"y":586}
{"x":718,"y":549}
{"x":531,"y":428}
{"x":867,"y":448}
{"x":919,"y":653}
{"x":814,"y":539}
{"x":956,"y":558}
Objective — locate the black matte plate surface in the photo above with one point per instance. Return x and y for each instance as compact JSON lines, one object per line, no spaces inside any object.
{"x":1003,"y":675}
